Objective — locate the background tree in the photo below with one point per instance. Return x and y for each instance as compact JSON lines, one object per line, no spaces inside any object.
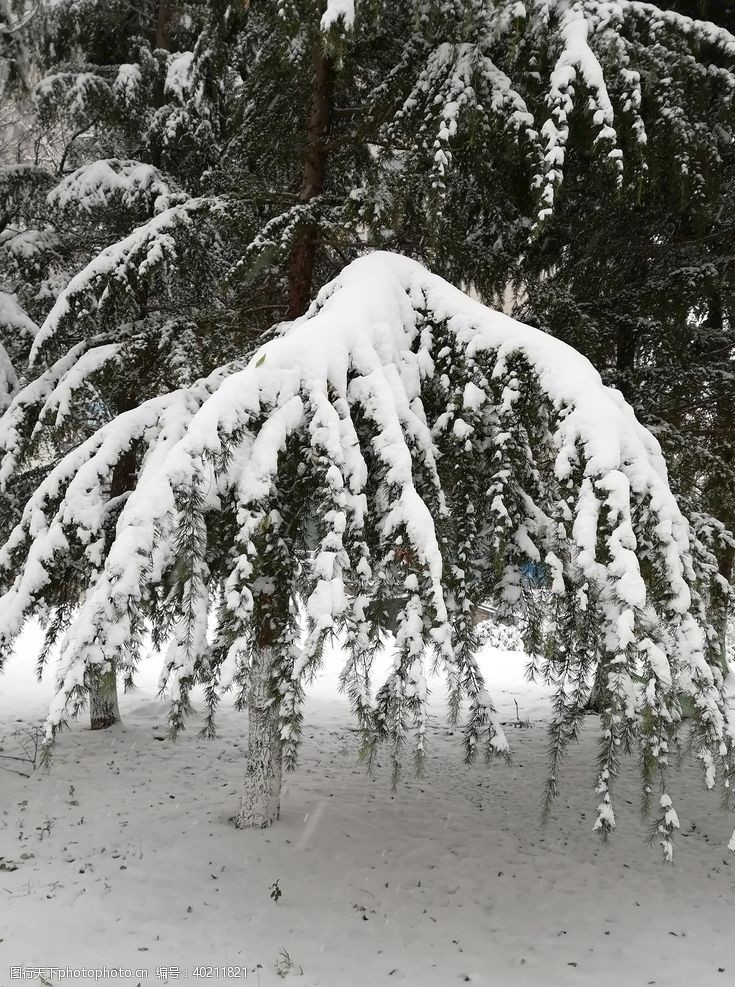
{"x":101,"y":119}
{"x":643,"y":284}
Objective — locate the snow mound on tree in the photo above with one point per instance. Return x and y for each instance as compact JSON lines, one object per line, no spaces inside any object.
{"x":105,"y":182}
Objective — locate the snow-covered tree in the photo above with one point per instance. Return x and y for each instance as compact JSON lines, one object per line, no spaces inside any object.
{"x":644,"y":287}
{"x":443,"y":132}
{"x":105,"y":114}
{"x":400,"y":441}
{"x":216,"y":165}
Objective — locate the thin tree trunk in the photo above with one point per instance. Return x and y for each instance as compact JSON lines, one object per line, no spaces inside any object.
{"x":720,"y":487}
{"x":161,"y":38}
{"x":260,"y":806}
{"x":726,"y":563}
{"x":625,"y":353}
{"x":261,"y":801}
{"x":595,"y":703}
{"x":103,"y":707}
{"x":303,"y":252}
{"x":162,"y":27}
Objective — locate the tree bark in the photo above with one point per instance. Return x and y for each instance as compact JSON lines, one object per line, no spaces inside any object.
{"x":625,"y":353}
{"x":162,"y":27}
{"x":104,"y":711}
{"x":303,"y":251}
{"x":720,"y":487}
{"x":595,"y":701}
{"x":161,"y":40}
{"x":260,"y":806}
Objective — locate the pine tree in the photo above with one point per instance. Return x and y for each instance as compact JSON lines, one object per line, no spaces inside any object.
{"x":334,"y":464}
{"x":76,"y":202}
{"x":448,"y":133}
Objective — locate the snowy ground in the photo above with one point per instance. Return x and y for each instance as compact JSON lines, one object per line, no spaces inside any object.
{"x":126,"y":857}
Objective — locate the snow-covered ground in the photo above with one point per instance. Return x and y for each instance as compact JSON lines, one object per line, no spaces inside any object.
{"x":124,"y":856}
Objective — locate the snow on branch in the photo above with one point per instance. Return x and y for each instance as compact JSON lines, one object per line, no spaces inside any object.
{"x":8,"y":379}
{"x":22,"y":410}
{"x":103,"y":183}
{"x":83,"y":96}
{"x":14,"y":319}
{"x":703,"y":31}
{"x":393,"y":460}
{"x":16,"y":329}
{"x":575,"y":59}
{"x":457,"y":79}
{"x":115,"y":274}
{"x":607,"y":61}
{"x":338,"y":13}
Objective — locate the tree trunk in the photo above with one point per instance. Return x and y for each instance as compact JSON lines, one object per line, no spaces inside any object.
{"x":303,"y":251}
{"x":625,"y":353}
{"x":261,"y":801}
{"x":103,"y":708}
{"x":720,"y":486}
{"x":595,"y":701}
{"x":726,"y":563}
{"x":162,"y":27}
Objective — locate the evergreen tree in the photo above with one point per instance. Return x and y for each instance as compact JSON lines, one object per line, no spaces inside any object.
{"x":105,"y":107}
{"x":399,"y":437}
{"x":219,"y":163}
{"x":185,"y":115}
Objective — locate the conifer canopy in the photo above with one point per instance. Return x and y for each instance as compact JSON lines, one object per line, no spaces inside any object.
{"x":394,"y":458}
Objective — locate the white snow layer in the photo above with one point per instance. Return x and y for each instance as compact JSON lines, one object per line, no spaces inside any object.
{"x":338,"y":10}
{"x":13,"y":317}
{"x":122,"y":855}
{"x":96,"y":185}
